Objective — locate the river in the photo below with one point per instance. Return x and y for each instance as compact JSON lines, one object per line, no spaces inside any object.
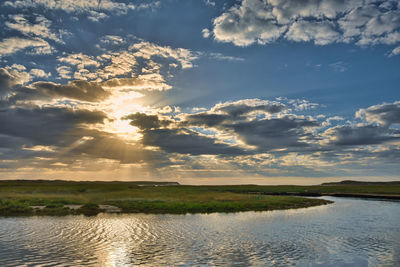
{"x":350,"y":232}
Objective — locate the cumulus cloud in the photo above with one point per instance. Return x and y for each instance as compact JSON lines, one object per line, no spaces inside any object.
{"x":250,"y":135}
{"x":206,"y":33}
{"x":39,"y":73}
{"x":235,"y":119}
{"x":143,"y":62}
{"x":385,"y":114}
{"x":323,"y":22}
{"x":80,"y":6}
{"x":321,"y":32}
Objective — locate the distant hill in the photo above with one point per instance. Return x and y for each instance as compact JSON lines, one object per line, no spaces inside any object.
{"x":351,"y":182}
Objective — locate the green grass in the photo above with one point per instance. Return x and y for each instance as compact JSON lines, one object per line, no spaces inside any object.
{"x":16,"y":197}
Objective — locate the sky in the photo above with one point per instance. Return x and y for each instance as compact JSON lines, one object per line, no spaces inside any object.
{"x":200,"y":91}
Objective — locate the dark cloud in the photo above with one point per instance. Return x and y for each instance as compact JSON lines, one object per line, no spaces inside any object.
{"x":47,"y":126}
{"x":268,"y":133}
{"x":144,"y":121}
{"x":361,"y":135}
{"x":265,"y":134}
{"x":7,"y":81}
{"x":233,"y":111}
{"x":205,"y":119}
{"x":185,"y":141}
{"x":385,"y":114}
{"x":285,"y":132}
{"x":243,"y":107}
{"x":80,"y":90}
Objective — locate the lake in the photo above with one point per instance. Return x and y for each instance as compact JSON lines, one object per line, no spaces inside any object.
{"x":350,"y":232}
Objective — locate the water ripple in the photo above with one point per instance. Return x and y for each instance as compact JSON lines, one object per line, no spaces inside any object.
{"x":349,"y":232}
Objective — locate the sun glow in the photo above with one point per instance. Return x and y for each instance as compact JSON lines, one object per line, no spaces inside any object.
{"x":121,"y":104}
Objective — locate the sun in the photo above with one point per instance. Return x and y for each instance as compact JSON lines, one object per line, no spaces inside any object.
{"x":121,"y":104}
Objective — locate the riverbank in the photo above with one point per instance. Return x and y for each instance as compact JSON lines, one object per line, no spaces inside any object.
{"x":26,"y":198}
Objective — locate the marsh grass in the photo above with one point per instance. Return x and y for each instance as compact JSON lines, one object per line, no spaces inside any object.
{"x":17,"y":197}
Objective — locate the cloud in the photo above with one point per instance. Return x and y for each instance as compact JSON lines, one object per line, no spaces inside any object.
{"x":206,"y":33}
{"x":395,"y":51}
{"x":385,"y":114}
{"x":247,"y":23}
{"x":321,"y":32}
{"x":79,"y":60}
{"x":234,"y":119}
{"x":185,"y":141}
{"x":339,"y":66}
{"x":79,"y":6}
{"x":220,"y":56}
{"x":144,"y":121}
{"x":286,"y":132}
{"x":14,"y":44}
{"x":40,"y":29}
{"x":112,"y":39}
{"x":361,"y":135}
{"x":250,"y":136}
{"x":209,"y":2}
{"x":245,"y":106}
{"x":320,"y":21}
{"x":7,"y":81}
{"x":47,"y":126}
{"x":64,"y":72}
{"x":149,"y":50}
{"x":79,"y":90}
{"x":144,"y":62}
{"x":39,"y":73}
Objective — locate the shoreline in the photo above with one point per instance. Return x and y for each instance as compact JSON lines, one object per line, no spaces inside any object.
{"x":353,"y":195}
{"x":291,"y":202}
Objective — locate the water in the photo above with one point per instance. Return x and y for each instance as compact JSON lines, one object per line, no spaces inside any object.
{"x":350,"y":232}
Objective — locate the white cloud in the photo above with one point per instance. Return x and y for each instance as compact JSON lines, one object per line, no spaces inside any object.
{"x":362,"y":22}
{"x":112,"y":39}
{"x":96,"y":16}
{"x":339,"y":66}
{"x":72,"y":5}
{"x":15,"y":44}
{"x":148,"y":50}
{"x":220,"y":56}
{"x":41,"y":28}
{"x":206,"y":33}
{"x":64,"y":72}
{"x":321,"y":33}
{"x":94,"y":8}
{"x":395,"y":51}
{"x":80,"y":60}
{"x":39,"y":73}
{"x":209,"y":2}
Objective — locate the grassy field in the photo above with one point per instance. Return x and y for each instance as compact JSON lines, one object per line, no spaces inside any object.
{"x":18,"y":197}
